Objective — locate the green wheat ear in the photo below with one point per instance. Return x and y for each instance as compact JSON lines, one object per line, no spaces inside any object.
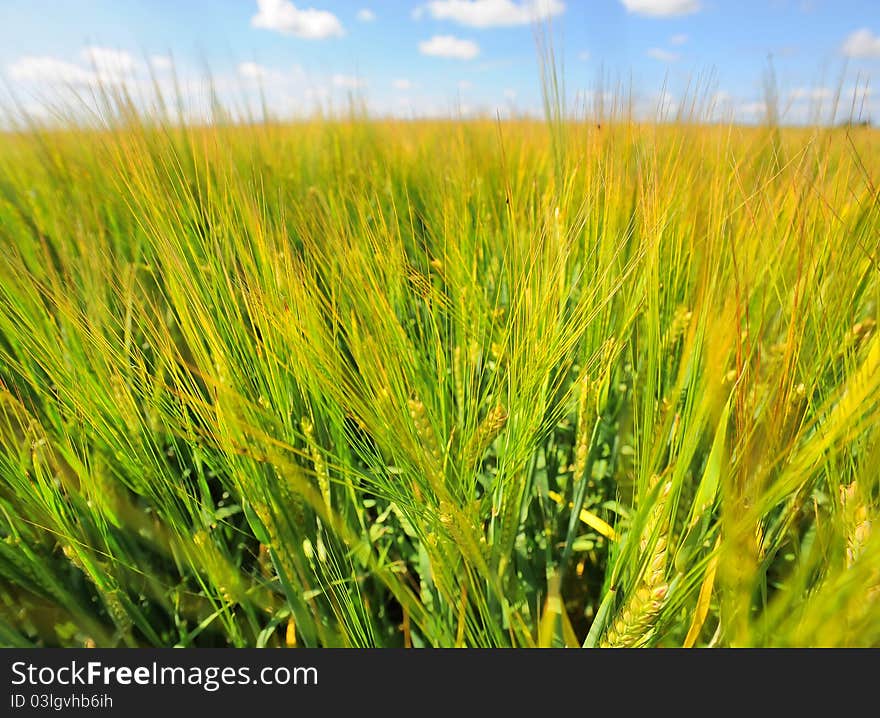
{"x":635,"y":620}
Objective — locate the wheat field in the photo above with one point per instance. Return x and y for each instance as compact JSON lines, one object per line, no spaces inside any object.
{"x":361,"y":382}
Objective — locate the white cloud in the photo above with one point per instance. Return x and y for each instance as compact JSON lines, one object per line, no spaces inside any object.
{"x":510,"y":95}
{"x":281,"y":81}
{"x":348,"y":82}
{"x":465,"y":84}
{"x":449,"y":46}
{"x":37,"y":111}
{"x":106,"y":58}
{"x":99,"y":65}
{"x":402,"y":84}
{"x":49,"y":70}
{"x":810,"y":93}
{"x":161,"y":62}
{"x":753,"y":109}
{"x":252,"y":71}
{"x":862,"y":43}
{"x":859,"y":91}
{"x":494,"y":13}
{"x":366,"y":15}
{"x":662,"y":8}
{"x":584,"y":55}
{"x":49,"y":78}
{"x":679,"y":39}
{"x":666,"y":104}
{"x":856,"y":101}
{"x":658,"y":53}
{"x":110,"y":66}
{"x":284,"y":17}
{"x":318,"y":95}
{"x":720,"y":107}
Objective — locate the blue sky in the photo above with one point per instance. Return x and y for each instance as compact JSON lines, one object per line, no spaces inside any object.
{"x":448,"y":56}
